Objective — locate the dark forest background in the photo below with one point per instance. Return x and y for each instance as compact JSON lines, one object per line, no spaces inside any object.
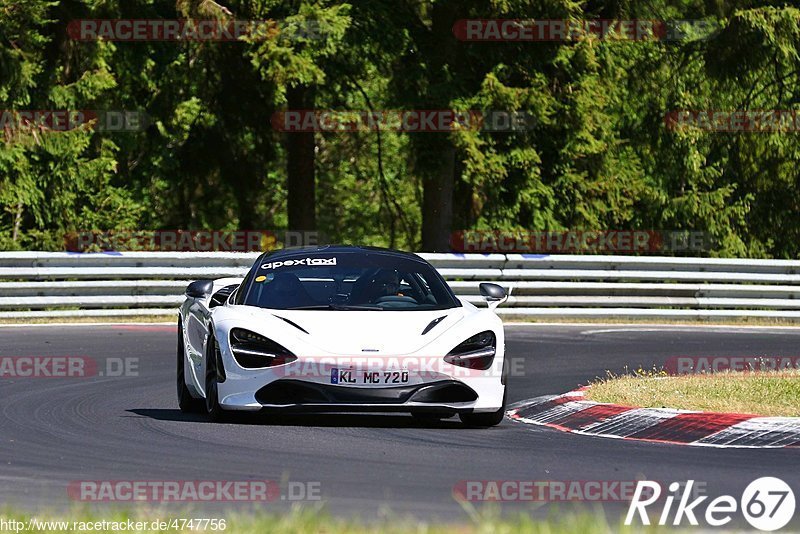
{"x":599,"y":155}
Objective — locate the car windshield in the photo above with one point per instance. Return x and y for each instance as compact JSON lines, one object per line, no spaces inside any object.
{"x":345,"y":281}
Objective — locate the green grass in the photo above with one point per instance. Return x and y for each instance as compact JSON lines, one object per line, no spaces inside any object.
{"x":681,"y":321}
{"x":313,"y":521}
{"x":771,"y":394}
{"x":144,"y":319}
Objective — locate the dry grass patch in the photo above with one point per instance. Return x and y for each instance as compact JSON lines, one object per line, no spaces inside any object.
{"x":771,"y":394}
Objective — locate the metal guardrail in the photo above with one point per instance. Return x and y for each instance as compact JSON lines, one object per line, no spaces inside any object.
{"x":55,"y":284}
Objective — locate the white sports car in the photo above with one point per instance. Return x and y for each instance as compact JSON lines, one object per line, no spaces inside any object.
{"x":341,"y":329}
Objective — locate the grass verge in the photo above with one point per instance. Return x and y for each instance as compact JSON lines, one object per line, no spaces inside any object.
{"x":634,"y":321}
{"x":144,"y":319}
{"x":770,"y":394}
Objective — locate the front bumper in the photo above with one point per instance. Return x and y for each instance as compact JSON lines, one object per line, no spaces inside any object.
{"x":289,"y":394}
{"x":306,"y":384}
{"x":446,"y":395}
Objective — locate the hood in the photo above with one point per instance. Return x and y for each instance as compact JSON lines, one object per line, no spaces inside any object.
{"x":370,"y":332}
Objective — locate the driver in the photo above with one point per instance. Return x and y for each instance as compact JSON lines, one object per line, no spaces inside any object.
{"x":384,"y":284}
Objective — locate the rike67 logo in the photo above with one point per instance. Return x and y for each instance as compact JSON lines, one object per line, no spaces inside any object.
{"x":767,"y":504}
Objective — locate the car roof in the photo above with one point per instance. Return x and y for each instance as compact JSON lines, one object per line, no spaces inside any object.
{"x":339,"y":249}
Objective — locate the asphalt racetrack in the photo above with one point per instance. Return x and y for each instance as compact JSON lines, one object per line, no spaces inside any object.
{"x":57,"y":430}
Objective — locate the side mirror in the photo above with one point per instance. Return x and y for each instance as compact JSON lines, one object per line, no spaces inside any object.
{"x":493,"y":293}
{"x":200,"y":289}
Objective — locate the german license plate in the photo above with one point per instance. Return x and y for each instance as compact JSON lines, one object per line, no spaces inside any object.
{"x":358,"y":377}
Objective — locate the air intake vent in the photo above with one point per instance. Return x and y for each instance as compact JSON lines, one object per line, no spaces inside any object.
{"x":293,"y":324}
{"x":432,"y":324}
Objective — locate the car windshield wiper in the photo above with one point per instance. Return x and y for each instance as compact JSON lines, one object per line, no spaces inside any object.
{"x":337,"y":307}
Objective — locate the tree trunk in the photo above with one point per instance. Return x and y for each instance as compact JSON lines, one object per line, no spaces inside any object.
{"x":17,"y":223}
{"x":437,"y":203}
{"x":438,"y":184}
{"x":245,"y":176}
{"x":300,"y":166}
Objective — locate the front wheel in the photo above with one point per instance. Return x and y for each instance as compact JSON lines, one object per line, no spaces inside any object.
{"x":485,"y":419}
{"x":213,"y":367}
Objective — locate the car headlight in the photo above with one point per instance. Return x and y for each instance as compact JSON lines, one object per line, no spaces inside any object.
{"x":476,"y":352}
{"x":254,"y":351}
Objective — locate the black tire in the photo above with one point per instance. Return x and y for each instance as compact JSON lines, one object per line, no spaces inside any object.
{"x":186,"y":402}
{"x":212,"y":406}
{"x":485,"y":419}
